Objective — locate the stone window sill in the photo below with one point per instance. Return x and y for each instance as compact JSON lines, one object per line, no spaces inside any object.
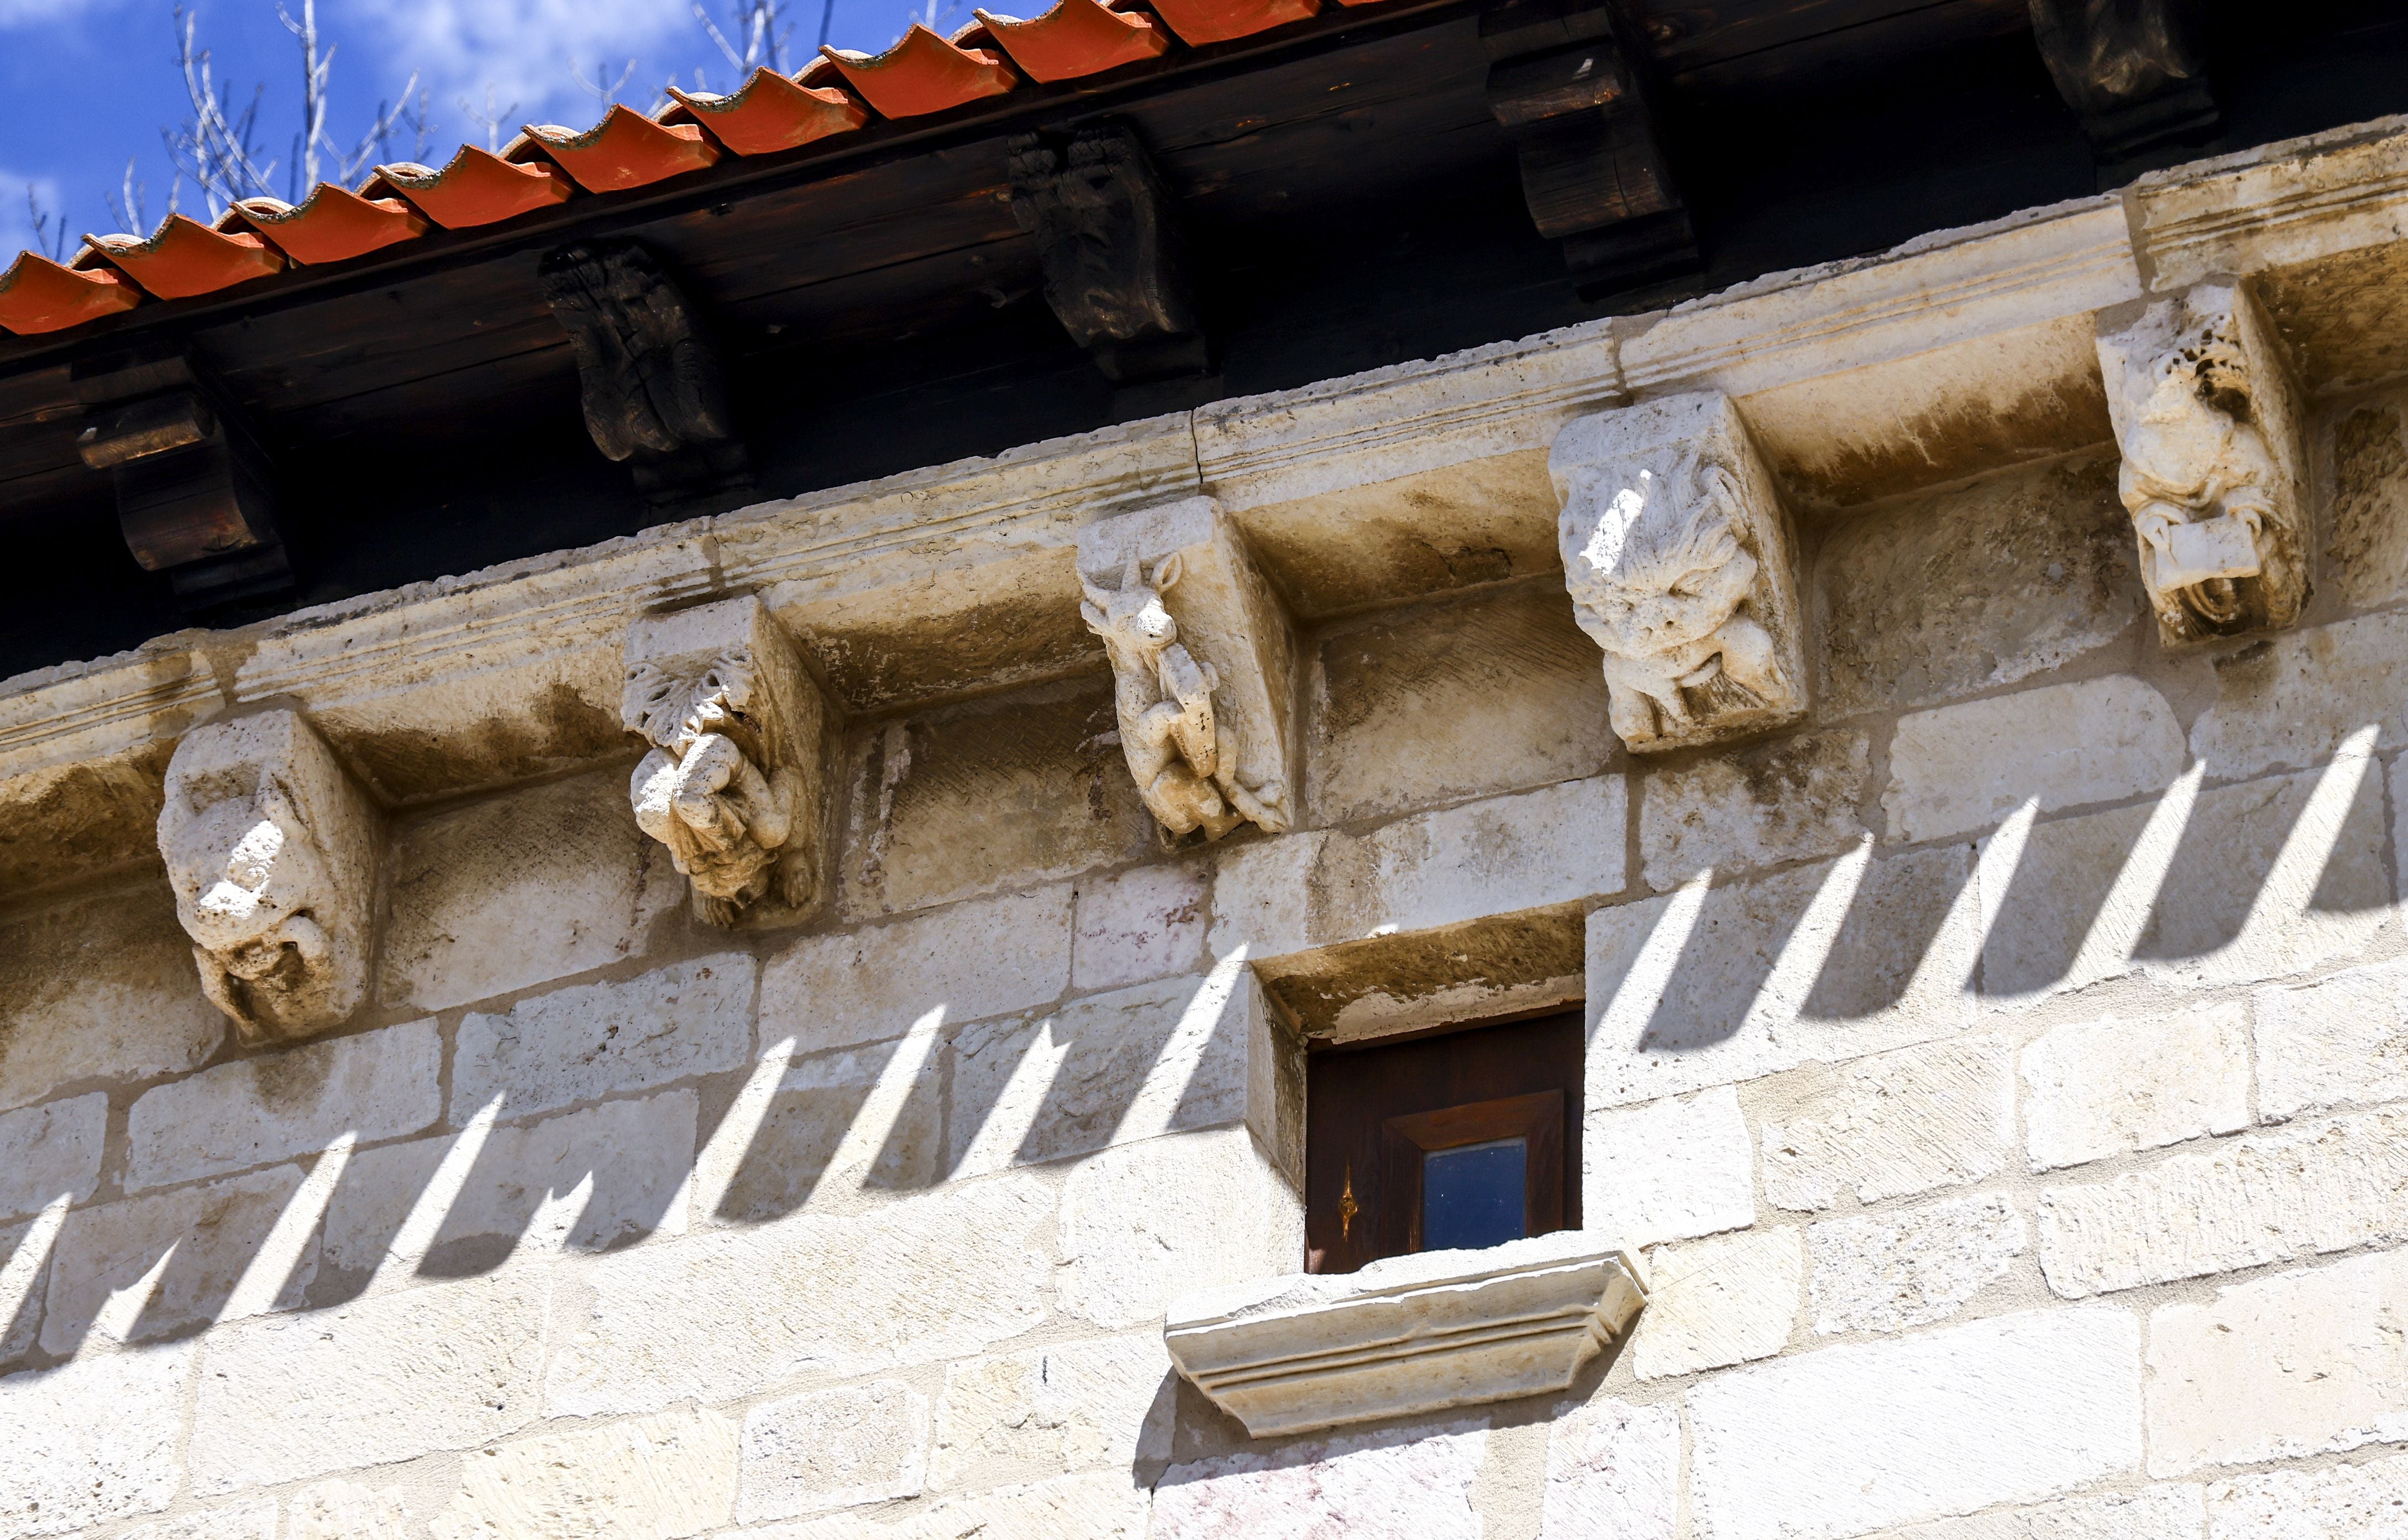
{"x":1406,"y":1335}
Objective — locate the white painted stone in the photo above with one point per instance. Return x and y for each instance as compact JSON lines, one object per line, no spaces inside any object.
{"x":964,"y":962}
{"x":1856,"y":1438}
{"x":1146,"y":923}
{"x":2165,"y":1512}
{"x":1107,"y":1506}
{"x":2341,"y":1040}
{"x":2367,"y":1501}
{"x":1719,"y":1301}
{"x":571,"y":1046}
{"x":1413,"y":1481}
{"x":92,"y":1440}
{"x":156,"y":1266}
{"x":381,"y":1379}
{"x":834,"y":1450}
{"x":349,"y":1510}
{"x":100,"y":987}
{"x":1668,"y":1169}
{"x":2295,"y":701}
{"x":50,"y":1152}
{"x":1757,"y":805}
{"x":825,"y":1131}
{"x":651,"y":1478}
{"x":1890,"y":1125}
{"x":1143,"y":1223}
{"x":1964,"y":768}
{"x":1613,"y":1469}
{"x":2105,"y":1088}
{"x":1911,"y":1267}
{"x":1104,"y":1404}
{"x":254,"y":1521}
{"x":378,"y":1085}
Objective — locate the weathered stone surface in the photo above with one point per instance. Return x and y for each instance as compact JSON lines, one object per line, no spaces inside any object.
{"x":2314,"y":1187}
{"x":1855,"y":1438}
{"x":2296,"y":1364}
{"x":652,"y":1478}
{"x":1103,"y":1403}
{"x":1414,"y":1481}
{"x":715,"y":1317}
{"x":966,"y":962}
{"x":50,"y":1152}
{"x":1668,"y":1170}
{"x":2168,"y":1512}
{"x":1760,"y":804}
{"x":1146,"y":923}
{"x":2292,"y":700}
{"x":349,"y":1510}
{"x":378,"y":1085}
{"x":1936,"y":1116}
{"x":24,"y":1278}
{"x":101,"y":987}
{"x":1142,"y":1223}
{"x":2104,"y":1088}
{"x":816,"y":1133}
{"x":572,"y":1045}
{"x":145,"y":1268}
{"x":1719,"y":1301}
{"x":92,"y":1440}
{"x":2340,"y":1040}
{"x":379,"y":1380}
{"x":1108,"y":1505}
{"x":2367,"y":543}
{"x":1889,"y":1272}
{"x":2337,"y":1502}
{"x":833,"y":1449}
{"x":519,"y":889}
{"x":254,"y":1521}
{"x":1959,"y":769}
{"x":1613,"y":1469}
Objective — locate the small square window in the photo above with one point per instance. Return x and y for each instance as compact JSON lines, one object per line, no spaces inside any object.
{"x":1458,"y":1140}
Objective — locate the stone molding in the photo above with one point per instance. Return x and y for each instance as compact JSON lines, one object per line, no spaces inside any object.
{"x":1407,"y":1335}
{"x":2273,"y":206}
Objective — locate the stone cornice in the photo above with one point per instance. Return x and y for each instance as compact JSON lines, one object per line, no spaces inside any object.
{"x":2274,"y":206}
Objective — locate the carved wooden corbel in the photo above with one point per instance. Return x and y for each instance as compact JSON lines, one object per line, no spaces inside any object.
{"x":1204,"y":664}
{"x":736,"y":784}
{"x":2210,"y":423}
{"x":2133,"y":71}
{"x":271,"y":848}
{"x":1678,"y":554}
{"x":1108,"y":236}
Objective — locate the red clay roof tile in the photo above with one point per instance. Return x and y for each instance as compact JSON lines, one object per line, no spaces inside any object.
{"x":478,"y":187}
{"x":1075,"y":39}
{"x":625,"y":150}
{"x":769,"y":114}
{"x":922,"y":73}
{"x":332,"y":225}
{"x":1202,"y":21}
{"x":185,"y":257}
{"x":38,"y":296}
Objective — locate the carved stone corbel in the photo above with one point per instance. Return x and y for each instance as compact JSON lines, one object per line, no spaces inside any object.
{"x":2132,"y":70}
{"x":1108,"y":238}
{"x":2209,"y":421}
{"x":271,"y":848}
{"x":1679,"y":558}
{"x":736,"y":784}
{"x":1203,"y":667}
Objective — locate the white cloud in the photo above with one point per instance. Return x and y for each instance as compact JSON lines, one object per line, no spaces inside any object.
{"x":523,"y":51}
{"x":17,"y":221}
{"x":27,"y":13}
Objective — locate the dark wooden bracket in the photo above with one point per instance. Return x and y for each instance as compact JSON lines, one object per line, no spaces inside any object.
{"x":2134,"y":71}
{"x":1562,"y":84}
{"x":1108,"y":236}
{"x":653,"y":389}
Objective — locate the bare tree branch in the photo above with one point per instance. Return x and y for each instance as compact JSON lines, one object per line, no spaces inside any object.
{"x":490,"y":120}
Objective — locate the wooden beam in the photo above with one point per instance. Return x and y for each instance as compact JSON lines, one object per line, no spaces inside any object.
{"x":1108,"y":238}
{"x":2134,"y":71}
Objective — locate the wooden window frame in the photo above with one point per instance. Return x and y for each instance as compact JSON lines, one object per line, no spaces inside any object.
{"x":1535,"y":1117}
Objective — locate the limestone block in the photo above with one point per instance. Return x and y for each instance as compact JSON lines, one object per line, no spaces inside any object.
{"x":518,"y":890}
{"x":1720,"y":1302}
{"x":1103,"y":1403}
{"x":1678,"y":554}
{"x":2337,"y":1502}
{"x":2275,"y":206}
{"x":100,"y":987}
{"x":1146,"y":923}
{"x":2297,"y":1364}
{"x":1613,"y":1469}
{"x":146,"y":1268}
{"x":2163,"y":1512}
{"x":2103,"y":1087}
{"x":1890,"y":1125}
{"x":1889,"y":1272}
{"x":1759,"y":805}
{"x":2367,"y":545}
{"x":820,"y":1133}
{"x":1959,"y":769}
{"x":652,"y":1478}
{"x":271,"y":848}
{"x":2211,"y":426}
{"x":1414,"y":1481}
{"x":1856,"y":1438}
{"x":92,"y":1440}
{"x":350,"y":1510}
{"x":2342,"y":1039}
{"x":381,"y":1379}
{"x":50,"y":1152}
{"x":254,"y":1521}
{"x":571,"y":1046}
{"x":1705,"y":987}
{"x":2313,"y":1187}
{"x":2295,"y":701}
{"x":1143,"y":1223}
{"x":834,"y":1450}
{"x":1668,"y":1169}
{"x":721,"y":1316}
{"x":963,"y":963}
{"x":24,"y":1276}
{"x":1107,"y":1506}
{"x":378,"y":1085}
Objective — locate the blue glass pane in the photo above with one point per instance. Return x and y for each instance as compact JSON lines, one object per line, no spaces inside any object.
{"x":1472,"y":1196}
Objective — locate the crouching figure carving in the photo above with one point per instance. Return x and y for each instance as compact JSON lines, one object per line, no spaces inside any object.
{"x":1676,"y":554}
{"x":271,"y":848}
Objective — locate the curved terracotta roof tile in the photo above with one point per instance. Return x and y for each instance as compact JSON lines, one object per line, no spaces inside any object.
{"x":185,"y":257}
{"x":922,"y":73}
{"x":1075,"y":39}
{"x":332,"y":225}
{"x":1202,"y":21}
{"x":38,"y":296}
{"x":771,"y":114}
{"x":625,"y":150}
{"x":478,"y":187}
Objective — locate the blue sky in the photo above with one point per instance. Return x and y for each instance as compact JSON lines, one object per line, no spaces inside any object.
{"x":87,"y":84}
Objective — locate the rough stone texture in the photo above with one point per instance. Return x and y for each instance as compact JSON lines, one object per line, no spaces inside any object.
{"x":2296,"y":1364}
{"x":378,"y":1085}
{"x":2315,"y":1188}
{"x":2367,"y":543}
{"x":235,"y":1521}
{"x":1104,"y":1404}
{"x":91,"y":1441}
{"x":1146,"y":923}
{"x":379,"y":1380}
{"x":1938,"y":595}
{"x":1668,"y":1170}
{"x":145,"y":1268}
{"x":1850,"y":1439}
{"x":2367,"y":1501}
{"x":1760,"y":804}
{"x":1613,"y":1469}
{"x":1413,"y":1481}
{"x":1889,"y":1272}
{"x":966,"y":962}
{"x":24,"y":1278}
{"x":2291,"y":700}
{"x":2340,"y":1040}
{"x":50,"y":1152}
{"x":833,"y":1449}
{"x":1963,"y":767}
{"x":1108,"y":1505}
{"x":101,"y":987}
{"x":818,"y":1132}
{"x":1719,"y":1301}
{"x":1143,"y":1223}
{"x":2104,"y":1088}
{"x":1890,"y":1125}
{"x":2170,"y":1512}
{"x":652,"y":1478}
{"x":347,"y":1510}
{"x":689,"y":1018}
